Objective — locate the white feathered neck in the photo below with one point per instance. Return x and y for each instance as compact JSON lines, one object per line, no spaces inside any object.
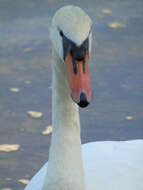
{"x":65,"y":170}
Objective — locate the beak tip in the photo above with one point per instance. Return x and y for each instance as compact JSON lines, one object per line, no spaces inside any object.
{"x":83,"y":100}
{"x":83,"y":104}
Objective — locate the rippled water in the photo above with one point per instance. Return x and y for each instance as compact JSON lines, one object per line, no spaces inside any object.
{"x":25,"y":55}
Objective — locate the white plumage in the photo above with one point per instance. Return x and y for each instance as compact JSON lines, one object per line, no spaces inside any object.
{"x":108,"y":166}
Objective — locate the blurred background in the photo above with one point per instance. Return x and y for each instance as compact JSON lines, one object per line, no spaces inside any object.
{"x":116,"y":65}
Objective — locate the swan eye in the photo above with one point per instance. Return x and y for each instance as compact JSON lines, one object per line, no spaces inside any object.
{"x":61,"y":33}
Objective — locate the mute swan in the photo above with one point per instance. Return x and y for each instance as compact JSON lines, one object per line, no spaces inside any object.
{"x":105,"y":165}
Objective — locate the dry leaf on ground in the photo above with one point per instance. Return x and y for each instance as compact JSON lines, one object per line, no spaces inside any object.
{"x":34,"y":114}
{"x":129,"y":117}
{"x":23,"y":181}
{"x":14,"y":89}
{"x":106,"y":11}
{"x":47,"y":131}
{"x":27,"y":82}
{"x":27,"y":50}
{"x":116,"y":25}
{"x":9,"y":147}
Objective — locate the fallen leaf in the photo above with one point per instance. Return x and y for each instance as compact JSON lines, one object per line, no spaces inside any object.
{"x":116,"y":25}
{"x":129,"y":118}
{"x":9,"y":147}
{"x":47,"y":131}
{"x":27,"y":50}
{"x":106,"y":11}
{"x":14,"y":89}
{"x":27,"y":82}
{"x":34,"y":114}
{"x":23,"y":181}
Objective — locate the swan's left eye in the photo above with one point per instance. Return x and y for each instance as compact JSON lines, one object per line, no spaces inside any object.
{"x":61,"y":33}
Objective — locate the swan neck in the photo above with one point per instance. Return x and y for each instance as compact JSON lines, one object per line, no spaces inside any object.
{"x":65,"y":169}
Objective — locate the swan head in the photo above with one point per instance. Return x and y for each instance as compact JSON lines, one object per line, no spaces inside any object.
{"x":71,"y":38}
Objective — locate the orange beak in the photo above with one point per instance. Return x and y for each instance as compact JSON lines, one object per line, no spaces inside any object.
{"x":79,"y":82}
